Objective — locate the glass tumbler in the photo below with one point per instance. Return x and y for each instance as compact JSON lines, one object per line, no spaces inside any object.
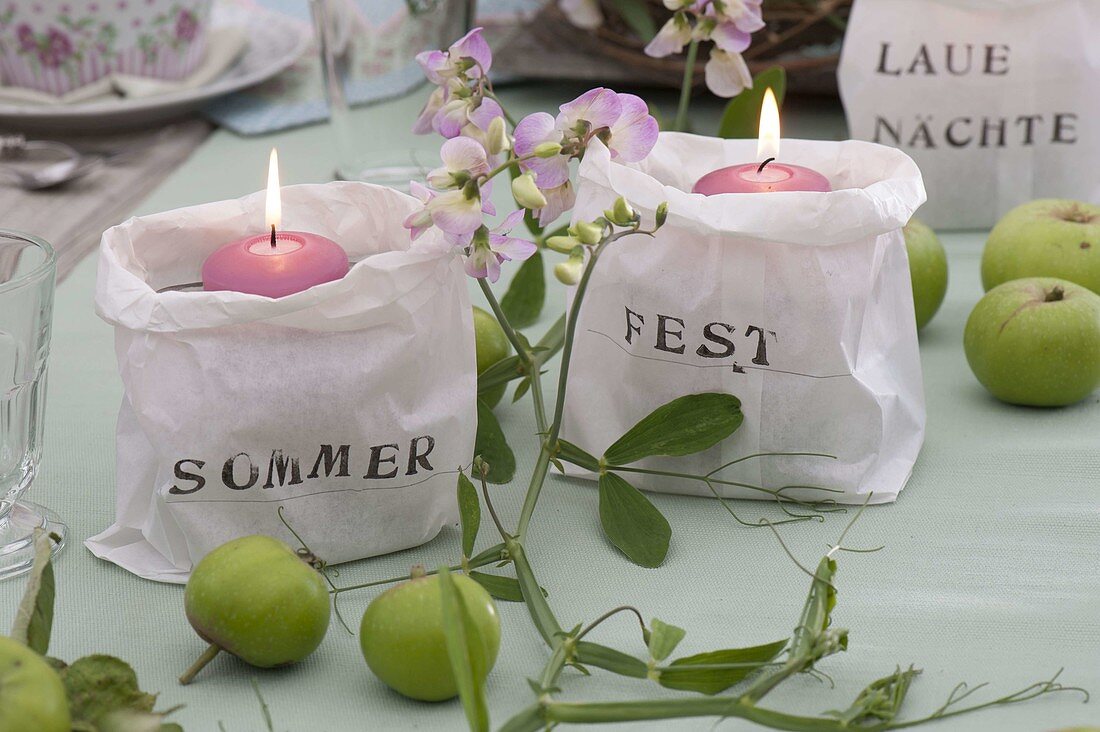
{"x":368,"y":50}
{"x":27,"y":269}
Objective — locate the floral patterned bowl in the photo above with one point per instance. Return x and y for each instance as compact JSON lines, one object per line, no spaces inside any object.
{"x":56,"y":46}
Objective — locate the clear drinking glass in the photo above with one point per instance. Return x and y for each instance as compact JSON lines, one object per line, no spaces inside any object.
{"x":27,"y":269}
{"x":367,"y":50}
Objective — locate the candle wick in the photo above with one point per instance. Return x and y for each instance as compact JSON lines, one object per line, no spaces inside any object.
{"x":758,"y":170}
{"x":273,"y":236}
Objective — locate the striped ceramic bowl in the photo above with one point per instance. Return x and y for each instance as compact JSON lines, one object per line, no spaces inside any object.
{"x":56,"y":46}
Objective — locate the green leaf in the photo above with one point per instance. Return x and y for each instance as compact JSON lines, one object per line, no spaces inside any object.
{"x":469,"y":513}
{"x":570,"y":453}
{"x":492,"y":446}
{"x":611,"y":660}
{"x":100,"y":687}
{"x":880,"y":702}
{"x":492,"y":552}
{"x":684,"y":426}
{"x":632,"y":523}
{"x":817,"y":612}
{"x":681,"y":675}
{"x":529,"y":720}
{"x":526,"y":294}
{"x":522,"y":388}
{"x":499,"y":373}
{"x":459,"y":633}
{"x":502,"y":588}
{"x":636,"y":15}
{"x":742,"y":116}
{"x":129,"y":720}
{"x":663,"y":639}
{"x":34,"y":617}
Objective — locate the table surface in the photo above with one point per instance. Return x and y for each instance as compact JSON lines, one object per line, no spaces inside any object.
{"x":991,"y":570}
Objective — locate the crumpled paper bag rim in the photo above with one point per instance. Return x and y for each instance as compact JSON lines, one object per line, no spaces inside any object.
{"x":125,"y":298}
{"x":875,"y":197}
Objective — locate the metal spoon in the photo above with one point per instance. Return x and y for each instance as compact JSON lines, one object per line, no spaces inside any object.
{"x":71,"y":165}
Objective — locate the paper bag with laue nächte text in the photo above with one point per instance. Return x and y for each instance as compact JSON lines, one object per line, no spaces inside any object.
{"x":998,"y":101}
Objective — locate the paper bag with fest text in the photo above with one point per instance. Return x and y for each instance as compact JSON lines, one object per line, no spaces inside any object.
{"x":349,"y":405}
{"x":798,"y":303}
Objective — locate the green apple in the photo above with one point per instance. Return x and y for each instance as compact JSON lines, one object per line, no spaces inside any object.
{"x":927,"y":269}
{"x":1045,"y":238}
{"x":32,"y":697}
{"x":403,"y":640}
{"x":1036,"y":341}
{"x":491,"y":345}
{"x":257,"y":599}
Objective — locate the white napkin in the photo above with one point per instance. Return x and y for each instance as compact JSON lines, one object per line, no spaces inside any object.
{"x":224,"y":46}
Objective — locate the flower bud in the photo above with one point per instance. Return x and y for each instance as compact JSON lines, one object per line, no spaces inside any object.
{"x":547,"y":149}
{"x":569,"y":272}
{"x":662,"y":213}
{"x":496,"y":137}
{"x":526,"y":193}
{"x":623,"y":214}
{"x":587,"y":232}
{"x":562,"y":244}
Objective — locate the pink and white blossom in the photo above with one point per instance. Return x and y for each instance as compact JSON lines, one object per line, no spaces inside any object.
{"x":727,"y":74}
{"x":463,"y":160}
{"x":489,"y":248}
{"x":468,"y":57}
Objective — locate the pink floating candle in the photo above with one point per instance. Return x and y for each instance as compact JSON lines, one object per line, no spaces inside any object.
{"x":277,"y":264}
{"x":766,"y":176}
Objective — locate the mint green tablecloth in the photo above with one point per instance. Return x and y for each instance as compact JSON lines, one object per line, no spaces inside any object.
{"x":991,"y":571}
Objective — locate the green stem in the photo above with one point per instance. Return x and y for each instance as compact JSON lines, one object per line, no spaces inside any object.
{"x":680,"y":124}
{"x":777,"y":493}
{"x":530,"y":362}
{"x":653,"y":709}
{"x":481,"y":560}
{"x":538,"y":477}
{"x":507,"y":164}
{"x":200,"y":663}
{"x":541,"y":615}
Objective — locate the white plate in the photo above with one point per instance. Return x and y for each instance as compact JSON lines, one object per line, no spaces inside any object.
{"x":275,"y":41}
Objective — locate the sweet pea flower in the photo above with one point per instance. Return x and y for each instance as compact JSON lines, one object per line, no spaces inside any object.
{"x":458,"y":209}
{"x":622,"y":121}
{"x":436,"y":100}
{"x":532,"y":131}
{"x":463,"y":160}
{"x":558,"y":201}
{"x":727,"y":74}
{"x":420,"y":220}
{"x":459,"y":114}
{"x":673,"y":36}
{"x":634,"y":133}
{"x":489,"y":248}
{"x":582,"y":13}
{"x":728,"y":24}
{"x":592,"y":110}
{"x":467,"y":58}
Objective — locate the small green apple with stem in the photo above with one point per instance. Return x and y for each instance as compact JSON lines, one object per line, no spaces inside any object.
{"x":32,"y":697}
{"x":404,"y":642}
{"x":1036,"y":342}
{"x":1045,"y":238}
{"x":257,"y":599}
{"x":927,"y":269}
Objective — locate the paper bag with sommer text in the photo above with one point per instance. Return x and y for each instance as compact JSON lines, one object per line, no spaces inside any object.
{"x":349,"y":406}
{"x":797,"y":303}
{"x":998,"y":101}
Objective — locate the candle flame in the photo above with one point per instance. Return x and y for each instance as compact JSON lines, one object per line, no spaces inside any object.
{"x":273,"y":212}
{"x":767,"y":145}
